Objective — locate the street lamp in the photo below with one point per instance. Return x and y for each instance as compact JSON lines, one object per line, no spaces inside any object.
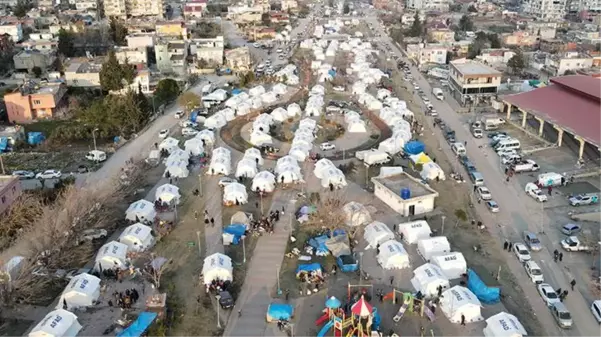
{"x":94,"y":137}
{"x":443,"y":218}
{"x":243,"y":250}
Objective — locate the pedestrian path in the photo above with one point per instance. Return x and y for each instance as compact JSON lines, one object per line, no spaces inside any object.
{"x":262,"y":277}
{"x":213,"y":204}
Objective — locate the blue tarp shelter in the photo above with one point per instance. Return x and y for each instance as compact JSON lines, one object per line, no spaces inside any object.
{"x":414,"y":147}
{"x":236,"y":92}
{"x":35,"y":138}
{"x":308,"y":268}
{"x":486,"y":294}
{"x":347,"y":263}
{"x":3,"y":144}
{"x":277,"y":311}
{"x":338,"y":231}
{"x":139,"y":326}
{"x":332,"y":72}
{"x":237,"y":230}
{"x":319,"y":243}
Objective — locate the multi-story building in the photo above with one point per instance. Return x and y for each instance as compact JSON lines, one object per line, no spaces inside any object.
{"x":578,"y":6}
{"x":545,"y":10}
{"x":264,"y":4}
{"x":245,"y":14}
{"x":133,"y":8}
{"x":495,"y":56}
{"x":140,"y":40}
{"x":289,"y":5}
{"x":35,"y":101}
{"x":428,"y":5}
{"x":174,"y":29}
{"x":210,"y":50}
{"x":29,"y":59}
{"x":238,"y":59}
{"x":423,"y":53}
{"x":559,"y":64}
{"x":542,"y":30}
{"x":133,"y":56}
{"x":194,"y":9}
{"x":83,"y":74}
{"x":408,"y":17}
{"x":82,"y":5}
{"x":520,"y":39}
{"x":46,"y":4}
{"x":471,"y":82}
{"x":10,"y":190}
{"x":44,"y":42}
{"x":261,"y":33}
{"x":15,"y":30}
{"x":441,"y":33}
{"x":9,"y":3}
{"x":171,"y":55}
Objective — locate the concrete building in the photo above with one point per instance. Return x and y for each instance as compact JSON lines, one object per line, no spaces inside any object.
{"x":579,"y":6}
{"x":15,"y":30}
{"x":244,"y":14}
{"x":495,"y":56}
{"x":261,"y":33}
{"x":194,"y":9}
{"x":10,"y":190}
{"x":83,"y":75}
{"x":174,"y":29}
{"x":28,"y":59}
{"x":82,"y":5}
{"x":408,"y":18}
{"x":32,"y":102}
{"x":421,"y":197}
{"x":264,"y":4}
{"x":133,"y":8}
{"x":42,"y":42}
{"x":520,"y":39}
{"x":471,"y":82}
{"x":545,"y":10}
{"x":171,"y":56}
{"x":140,"y":40}
{"x":289,"y":5}
{"x":424,"y":53}
{"x":441,"y":34}
{"x":428,"y":5}
{"x":238,"y":59}
{"x":133,"y":56}
{"x":542,"y":30}
{"x":559,"y":64}
{"x":210,"y":50}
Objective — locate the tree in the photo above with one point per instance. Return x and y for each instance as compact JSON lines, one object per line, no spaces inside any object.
{"x":66,"y":43}
{"x":142,"y":101}
{"x":494,"y":40}
{"x":266,"y":19}
{"x":203,"y":64}
{"x":37,"y":71}
{"x":118,"y":31}
{"x":21,"y":9}
{"x":57,"y":65}
{"x":450,"y":56}
{"x":517,"y":62}
{"x":346,"y":8}
{"x":246,"y":78}
{"x":189,"y":101}
{"x":396,"y":34}
{"x":472,"y":9}
{"x":466,"y":24}
{"x":166,"y":91}
{"x":455,"y":8}
{"x":416,"y":28}
{"x":114,"y":76}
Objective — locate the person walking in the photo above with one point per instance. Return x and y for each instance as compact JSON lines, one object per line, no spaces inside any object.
{"x":195,"y":215}
{"x":573,"y":284}
{"x":505,"y":245}
{"x":510,"y":246}
{"x":560,"y":257}
{"x":391,"y":280}
{"x":212,"y":222}
{"x":462,"y":319}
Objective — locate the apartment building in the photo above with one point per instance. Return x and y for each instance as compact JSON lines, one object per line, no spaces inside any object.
{"x":133,"y":8}
{"x":471,"y":82}
{"x":15,"y":30}
{"x":83,"y":74}
{"x":495,"y":56}
{"x":175,"y":29}
{"x":82,"y":5}
{"x":10,"y":190}
{"x":35,"y":101}
{"x":545,"y":10}
{"x":263,"y":4}
{"x":171,"y":55}
{"x":559,"y":64}
{"x":543,"y":30}
{"x":408,"y":18}
{"x":289,"y":5}
{"x":194,"y":9}
{"x":428,"y":5}
{"x":28,"y":59}
{"x":133,"y":56}
{"x":244,"y":14}
{"x":210,"y":50}
{"x":43,"y":42}
{"x":238,"y":59}
{"x":520,"y":39}
{"x":441,"y":33}
{"x":578,"y":6}
{"x":423,"y":53}
{"x":140,"y":40}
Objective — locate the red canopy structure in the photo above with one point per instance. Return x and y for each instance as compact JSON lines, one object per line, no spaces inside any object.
{"x":362,"y":308}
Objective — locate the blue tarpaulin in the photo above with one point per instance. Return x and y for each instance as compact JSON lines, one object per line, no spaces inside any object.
{"x":277,"y":311}
{"x":236,"y":92}
{"x":137,"y":328}
{"x":237,"y":230}
{"x":194,"y":116}
{"x":308,"y":267}
{"x":486,"y":294}
{"x":319,"y":243}
{"x":347,"y":263}
{"x":332,"y":72}
{"x":3,"y":144}
{"x":338,"y":231}
{"x":414,"y":147}
{"x":35,"y":138}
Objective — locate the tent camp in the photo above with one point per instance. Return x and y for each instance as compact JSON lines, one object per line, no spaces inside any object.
{"x":264,"y":181}
{"x":356,"y":214}
{"x":279,"y":114}
{"x":333,"y":176}
{"x":322,"y":166}
{"x":222,"y":152}
{"x":258,"y":138}
{"x":167,"y":193}
{"x":459,"y":301}
{"x":284,"y":162}
{"x":178,"y":154}
{"x":137,"y":237}
{"x":82,"y":291}
{"x":110,"y":256}
{"x":176,"y":169}
{"x":307,"y":123}
{"x":246,"y":168}
{"x":235,"y":194}
{"x":427,"y":278}
{"x":141,"y":210}
{"x":216,"y":121}
{"x":453,"y":264}
{"x":414,"y":231}
{"x":504,"y":325}
{"x":294,"y":110}
{"x":432,"y":171}
{"x":257,"y":91}
{"x":255,"y":154}
{"x":289,"y":175}
{"x":377,"y":233}
{"x":194,"y":146}
{"x":300,"y":153}
{"x":217,"y":267}
{"x":393,"y":255}
{"x":430,"y":247}
{"x":219,"y":165}
{"x":169,"y":144}
{"x":58,"y":323}
{"x":206,"y":135}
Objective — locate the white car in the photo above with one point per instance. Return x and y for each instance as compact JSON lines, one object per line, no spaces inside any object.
{"x":596,"y":310}
{"x":327,"y":146}
{"x":521,"y":252}
{"x":187,"y":124}
{"x":512,"y":158}
{"x":49,"y":174}
{"x":223,"y":182}
{"x":189,"y":132}
{"x":500,"y":136}
{"x":535,"y":192}
{"x":179,"y":114}
{"x":484,"y":193}
{"x":416,"y":87}
{"x":534,"y":272}
{"x":425,"y":99}
{"x":163,"y":133}
{"x":506,"y":153}
{"x":493,"y":206}
{"x":23,"y":174}
{"x":279,"y":50}
{"x":338,"y":88}
{"x":256,"y":45}
{"x":548,"y":294}
{"x":92,"y":234}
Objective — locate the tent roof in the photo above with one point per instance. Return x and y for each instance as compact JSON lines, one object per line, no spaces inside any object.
{"x":458,"y":296}
{"x":83,"y":283}
{"x":240,"y":218}
{"x":362,"y":308}
{"x":505,"y":325}
{"x":113,"y":249}
{"x":57,"y":323}
{"x":138,"y":231}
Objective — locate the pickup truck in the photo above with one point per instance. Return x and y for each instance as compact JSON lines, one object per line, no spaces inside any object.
{"x":573,"y":244}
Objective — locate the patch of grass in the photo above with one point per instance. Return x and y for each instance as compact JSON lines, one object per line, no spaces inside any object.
{"x":45,"y":127}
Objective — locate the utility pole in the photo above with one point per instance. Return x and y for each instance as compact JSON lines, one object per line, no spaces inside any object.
{"x":2,"y":165}
{"x":198,"y":238}
{"x":94,"y":138}
{"x":443,"y":218}
{"x":244,"y":249}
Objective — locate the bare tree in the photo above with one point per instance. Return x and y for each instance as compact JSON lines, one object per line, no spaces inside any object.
{"x":155,"y":267}
{"x":329,"y":213}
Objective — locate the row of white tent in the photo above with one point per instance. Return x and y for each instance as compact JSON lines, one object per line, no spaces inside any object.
{"x":354,"y":123}
{"x":315,"y":103}
{"x":221,"y":162}
{"x":328,"y":173}
{"x":259,"y":133}
{"x":287,"y":170}
{"x":302,"y":143}
{"x":288,"y":74}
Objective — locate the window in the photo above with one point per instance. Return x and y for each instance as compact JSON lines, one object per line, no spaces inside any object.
{"x":37,"y":101}
{"x":489,"y":80}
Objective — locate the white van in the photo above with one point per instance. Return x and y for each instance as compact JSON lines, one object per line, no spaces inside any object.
{"x":508,"y":144}
{"x":534,"y":272}
{"x":96,"y":155}
{"x":459,"y":149}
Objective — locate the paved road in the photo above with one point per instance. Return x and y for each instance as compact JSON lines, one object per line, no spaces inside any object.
{"x":514,"y":218}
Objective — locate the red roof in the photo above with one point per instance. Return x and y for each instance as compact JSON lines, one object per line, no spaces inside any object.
{"x":571,"y":102}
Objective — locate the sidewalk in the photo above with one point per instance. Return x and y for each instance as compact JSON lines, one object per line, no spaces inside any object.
{"x":261,"y":279}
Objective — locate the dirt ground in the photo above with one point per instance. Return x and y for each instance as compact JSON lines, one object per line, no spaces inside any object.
{"x":39,"y":161}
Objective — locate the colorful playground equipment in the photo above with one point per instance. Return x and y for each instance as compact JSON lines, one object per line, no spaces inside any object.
{"x":360,"y":321}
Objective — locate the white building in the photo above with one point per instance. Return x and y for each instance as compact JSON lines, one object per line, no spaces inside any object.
{"x":423,"y":53}
{"x":429,"y":5}
{"x":82,"y":5}
{"x":577,"y":6}
{"x":495,"y":56}
{"x":171,"y":56}
{"x":140,"y":40}
{"x":14,"y":30}
{"x":545,"y":10}
{"x":420,"y":198}
{"x":137,"y":55}
{"x":559,"y":64}
{"x":209,"y":50}
{"x":471,"y":81}
{"x":133,"y":8}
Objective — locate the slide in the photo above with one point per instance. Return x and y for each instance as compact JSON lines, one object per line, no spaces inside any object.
{"x":322,"y":319}
{"x":351,"y":332}
{"x":325,"y":329}
{"x":389,"y":296}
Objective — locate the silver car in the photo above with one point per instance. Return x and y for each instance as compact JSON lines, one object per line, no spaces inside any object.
{"x":532,"y":241}
{"x":562,"y":315}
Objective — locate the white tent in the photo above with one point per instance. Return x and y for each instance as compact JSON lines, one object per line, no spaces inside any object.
{"x":431,"y":170}
{"x":392,"y":145}
{"x":169,"y":144}
{"x":504,"y":325}
{"x":246,"y":167}
{"x":285,"y":161}
{"x":216,"y":121}
{"x":58,"y":323}
{"x":293,"y":110}
{"x":377,"y":233}
{"x":317,"y":89}
{"x":427,"y":278}
{"x":137,"y":237}
{"x":178,"y":154}
{"x":334,"y":176}
{"x":177,"y":168}
{"x":356,"y":126}
{"x":258,"y":138}
{"x":300,"y":153}
{"x":321,"y":166}
{"x":222,"y":151}
{"x":255,"y":155}
{"x":235,"y":193}
{"x":279,"y":89}
{"x":288,"y":175}
{"x":264,"y":181}
{"x":217,"y":267}
{"x":356,"y":214}
{"x":269,"y":98}
{"x":206,"y":135}
{"x":194,"y":146}
{"x":459,"y":301}
{"x":430,"y":247}
{"x":111,"y":255}
{"x":219,"y":165}
{"x":307,"y":123}
{"x":257,"y":91}
{"x":393,"y":255}
{"x":453,"y":264}
{"x":82,"y":291}
{"x":279,"y":114}
{"x":167,"y":193}
{"x":414,"y":231}
{"x":141,"y":210}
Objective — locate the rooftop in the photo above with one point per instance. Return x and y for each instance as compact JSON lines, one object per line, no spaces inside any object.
{"x":395,"y":183}
{"x":571,"y":102}
{"x":471,"y":68}
{"x":84,"y":67}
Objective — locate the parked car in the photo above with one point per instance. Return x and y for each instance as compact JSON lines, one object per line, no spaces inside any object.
{"x":224,"y":181}
{"x":584,"y":199}
{"x":179,"y":114}
{"x":92,"y":235}
{"x":521,"y":251}
{"x":549,"y":295}
{"x":497,"y":133}
{"x":164,"y":133}
{"x":535,"y":192}
{"x":534,"y":272}
{"x":22,"y":174}
{"x":226,"y":301}
{"x":510,"y":159}
{"x":327,"y":146}
{"x":532,"y":241}
{"x":571,"y":229}
{"x":596,"y":310}
{"x":484,"y":193}
{"x":49,"y":174}
{"x":189,"y":132}
{"x":562,"y":315}
{"x":492,"y":206}
{"x":338,"y":88}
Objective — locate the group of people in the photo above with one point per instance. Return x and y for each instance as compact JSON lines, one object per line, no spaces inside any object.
{"x":125,"y":300}
{"x":218,"y":286}
{"x":557,"y":256}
